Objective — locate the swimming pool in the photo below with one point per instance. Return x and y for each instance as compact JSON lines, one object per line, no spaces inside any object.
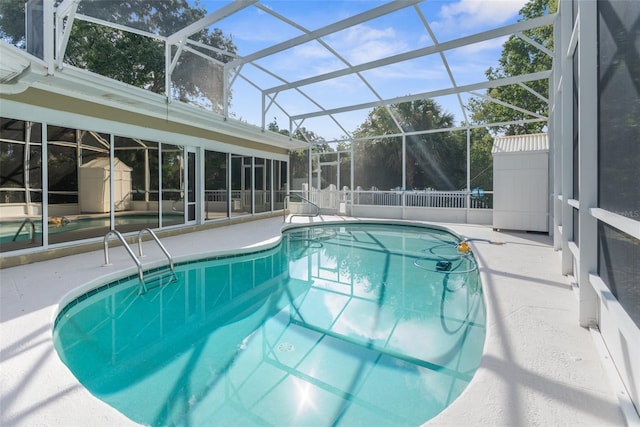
{"x":337,"y":325}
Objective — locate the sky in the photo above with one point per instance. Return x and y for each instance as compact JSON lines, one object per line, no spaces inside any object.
{"x":253,"y":29}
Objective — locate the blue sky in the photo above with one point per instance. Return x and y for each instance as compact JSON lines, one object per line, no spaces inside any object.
{"x":253,"y":29}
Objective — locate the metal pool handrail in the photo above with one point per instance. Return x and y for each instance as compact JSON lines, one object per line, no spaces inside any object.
{"x":33,"y":229}
{"x":166,"y":253}
{"x":284,"y":210}
{"x":126,"y":246}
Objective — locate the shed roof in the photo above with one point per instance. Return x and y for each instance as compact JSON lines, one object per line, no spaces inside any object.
{"x":103,"y":163}
{"x":537,"y":142}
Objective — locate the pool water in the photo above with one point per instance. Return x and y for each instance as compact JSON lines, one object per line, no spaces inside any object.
{"x":8,"y":229}
{"x":338,"y":325}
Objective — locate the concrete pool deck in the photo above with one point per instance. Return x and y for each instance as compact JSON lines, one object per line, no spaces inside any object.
{"x":539,"y":368}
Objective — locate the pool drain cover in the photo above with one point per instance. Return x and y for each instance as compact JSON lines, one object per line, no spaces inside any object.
{"x":285,"y":347}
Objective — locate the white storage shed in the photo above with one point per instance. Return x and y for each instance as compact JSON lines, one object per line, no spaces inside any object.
{"x":521,"y":182}
{"x":93,"y":186}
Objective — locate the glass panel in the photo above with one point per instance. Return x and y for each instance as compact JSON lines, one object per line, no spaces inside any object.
{"x":13,"y":159}
{"x":618,"y":108}
{"x":240,"y":185}
{"x":262,"y":182}
{"x":191,"y":181}
{"x":172,"y":185}
{"x":121,"y":55}
{"x":140,"y":209}
{"x":279,"y":183}
{"x":198,"y":81}
{"x":269,"y":185}
{"x":20,"y":185}
{"x":618,"y":266}
{"x":62,"y":163}
{"x":215,"y":185}
{"x":79,"y":184}
{"x":299,"y":161}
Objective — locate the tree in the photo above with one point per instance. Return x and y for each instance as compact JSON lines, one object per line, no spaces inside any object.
{"x":519,"y":57}
{"x":434,"y":160}
{"x":481,"y":159}
{"x":133,"y":58}
{"x":299,"y":159}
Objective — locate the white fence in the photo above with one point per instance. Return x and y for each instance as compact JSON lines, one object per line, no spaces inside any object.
{"x":425,"y":199}
{"x":442,"y":206}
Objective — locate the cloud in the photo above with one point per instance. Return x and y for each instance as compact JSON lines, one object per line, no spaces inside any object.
{"x":362,"y":43}
{"x":481,"y":12}
{"x":475,"y":14}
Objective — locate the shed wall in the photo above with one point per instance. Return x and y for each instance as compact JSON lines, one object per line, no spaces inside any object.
{"x":520,"y":186}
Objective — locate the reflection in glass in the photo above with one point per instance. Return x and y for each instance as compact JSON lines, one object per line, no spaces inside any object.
{"x":279,"y":183}
{"x":191,"y":186}
{"x":141,"y":209}
{"x":79,"y":192}
{"x":20,"y":184}
{"x":215,"y":185}
{"x":198,"y":81}
{"x":262,"y":186}
{"x":173,"y":187}
{"x":241,"y":197}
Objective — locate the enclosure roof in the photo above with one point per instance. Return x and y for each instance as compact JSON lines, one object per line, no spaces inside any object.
{"x":313,"y":64}
{"x":538,"y":142}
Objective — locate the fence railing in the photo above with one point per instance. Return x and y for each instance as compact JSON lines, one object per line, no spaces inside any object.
{"x":425,"y":199}
{"x":330,"y":199}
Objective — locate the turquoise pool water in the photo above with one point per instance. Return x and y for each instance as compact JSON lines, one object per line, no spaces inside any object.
{"x":338,"y":325}
{"x":8,"y":229}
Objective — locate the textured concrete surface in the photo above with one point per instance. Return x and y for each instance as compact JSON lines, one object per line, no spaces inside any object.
{"x":540,"y":367}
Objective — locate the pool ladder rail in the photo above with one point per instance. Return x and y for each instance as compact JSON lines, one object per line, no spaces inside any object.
{"x":33,"y":230}
{"x":288,"y":197}
{"x":155,"y":276}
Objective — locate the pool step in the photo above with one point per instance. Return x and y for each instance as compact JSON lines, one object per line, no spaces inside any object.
{"x":157,"y":279}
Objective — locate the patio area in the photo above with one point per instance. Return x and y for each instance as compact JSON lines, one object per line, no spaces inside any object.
{"x":539,"y":368}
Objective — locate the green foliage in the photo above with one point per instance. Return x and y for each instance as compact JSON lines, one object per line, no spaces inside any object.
{"x":299,"y":159}
{"x":519,"y":57}
{"x":12,"y":21}
{"x":434,"y":160}
{"x":136,"y":59}
{"x":481,"y":159}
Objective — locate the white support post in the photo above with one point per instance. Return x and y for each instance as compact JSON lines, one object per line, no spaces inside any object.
{"x":48,"y":35}
{"x":112,"y":186}
{"x":468,"y":195}
{"x":45,"y":185}
{"x":404,"y":174}
{"x":588,"y":159}
{"x":167,"y":71}
{"x":225,"y":90}
{"x":566,"y":135}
